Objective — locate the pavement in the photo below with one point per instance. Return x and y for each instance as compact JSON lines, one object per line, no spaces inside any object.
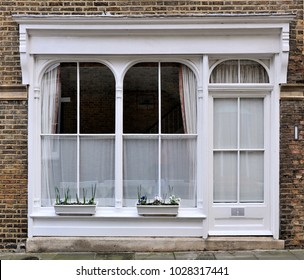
{"x":297,"y":254}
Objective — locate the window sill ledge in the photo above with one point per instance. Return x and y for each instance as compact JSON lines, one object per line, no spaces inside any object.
{"x":127,"y":212}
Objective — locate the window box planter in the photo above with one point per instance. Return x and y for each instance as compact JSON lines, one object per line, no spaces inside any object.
{"x":157,"y":210}
{"x":75,"y":209}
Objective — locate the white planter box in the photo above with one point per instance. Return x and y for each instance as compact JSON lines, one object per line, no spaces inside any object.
{"x":157,"y":210}
{"x":77,"y":210}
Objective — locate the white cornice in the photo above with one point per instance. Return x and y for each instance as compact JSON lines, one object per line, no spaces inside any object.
{"x":152,"y":35}
{"x":181,"y":22}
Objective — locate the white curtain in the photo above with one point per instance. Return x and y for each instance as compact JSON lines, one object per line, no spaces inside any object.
{"x":226,"y":72}
{"x":252,"y":72}
{"x":140,"y":168}
{"x":251,"y":123}
{"x":225,"y":177}
{"x":50,"y":94}
{"x":178,"y":168}
{"x":225,"y":122}
{"x":178,"y":164}
{"x":97,"y":167}
{"x":59,"y":159}
{"x":252,"y":176}
{"x":239,"y":71}
{"x":188,"y":96}
{"x":50,"y":89}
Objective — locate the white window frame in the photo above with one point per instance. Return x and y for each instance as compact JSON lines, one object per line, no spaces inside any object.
{"x":189,"y":40}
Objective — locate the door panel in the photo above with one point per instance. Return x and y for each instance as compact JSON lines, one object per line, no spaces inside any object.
{"x":240,"y":204}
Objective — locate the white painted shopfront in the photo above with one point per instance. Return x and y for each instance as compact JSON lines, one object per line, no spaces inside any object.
{"x":190,"y":102}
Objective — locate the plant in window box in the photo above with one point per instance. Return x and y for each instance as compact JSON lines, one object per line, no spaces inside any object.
{"x":158,"y":206}
{"x":79,"y":206}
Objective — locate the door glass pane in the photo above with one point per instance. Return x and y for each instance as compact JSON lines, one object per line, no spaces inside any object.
{"x":140,"y":169}
{"x":225,"y":177}
{"x":97,"y":168}
{"x":140,"y":109}
{"x":225,"y":123}
{"x":252,"y":177}
{"x":178,"y":169}
{"x":58,"y":168}
{"x":225,"y":72}
{"x":97,"y":99}
{"x":252,"y":72}
{"x":252,"y":124}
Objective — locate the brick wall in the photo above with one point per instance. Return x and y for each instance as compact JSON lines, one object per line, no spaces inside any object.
{"x":13,"y":174}
{"x":292,"y":166}
{"x":13,"y":114}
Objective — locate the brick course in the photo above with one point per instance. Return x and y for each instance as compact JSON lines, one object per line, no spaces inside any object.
{"x":13,"y":114}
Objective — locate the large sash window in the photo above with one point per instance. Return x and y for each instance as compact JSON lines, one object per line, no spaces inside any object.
{"x":78,"y":126}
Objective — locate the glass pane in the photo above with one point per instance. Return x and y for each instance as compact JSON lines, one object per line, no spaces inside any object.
{"x":225,"y":72}
{"x":58,"y":167}
{"x":68,"y":104}
{"x":178,"y":169}
{"x":252,"y":177}
{"x":252,"y":72}
{"x":171,"y":113}
{"x":97,"y":99}
{"x":59,"y":99}
{"x":225,"y":123}
{"x":252,"y":124}
{"x":140,"y":169}
{"x":225,"y":177}
{"x":140,"y":109}
{"x":97,"y":168}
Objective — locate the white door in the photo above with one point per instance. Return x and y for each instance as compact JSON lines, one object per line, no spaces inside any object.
{"x":240,"y":184}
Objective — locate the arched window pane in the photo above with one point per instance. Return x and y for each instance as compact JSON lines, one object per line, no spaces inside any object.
{"x":225,"y":72}
{"x":171,"y":112}
{"x":140,"y":110}
{"x":252,"y":72}
{"x":239,"y":71}
{"x":59,"y":99}
{"x":97,"y":99}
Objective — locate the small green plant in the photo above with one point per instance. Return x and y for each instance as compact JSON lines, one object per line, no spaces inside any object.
{"x":158,"y":200}
{"x":142,"y":199}
{"x":67,"y":197}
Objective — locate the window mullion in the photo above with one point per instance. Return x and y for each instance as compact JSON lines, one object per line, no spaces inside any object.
{"x":239,"y":71}
{"x":78,"y":130}
{"x":238,"y":149}
{"x":159,"y":128}
{"x":119,"y":146}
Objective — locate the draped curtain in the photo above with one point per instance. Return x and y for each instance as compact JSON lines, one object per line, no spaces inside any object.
{"x":188,"y":95}
{"x":178,"y":153}
{"x":50,"y":89}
